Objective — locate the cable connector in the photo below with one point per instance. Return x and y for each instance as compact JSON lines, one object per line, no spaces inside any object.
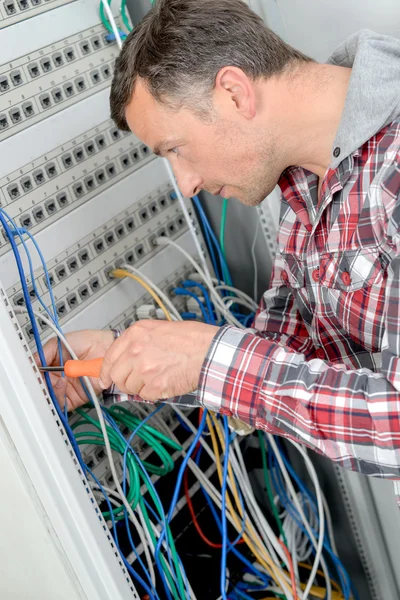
{"x":146,"y":311}
{"x":189,"y":316}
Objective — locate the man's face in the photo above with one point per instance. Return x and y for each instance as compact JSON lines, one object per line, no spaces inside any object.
{"x":226,"y":154}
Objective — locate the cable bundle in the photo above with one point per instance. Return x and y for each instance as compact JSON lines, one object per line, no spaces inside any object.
{"x":272,"y":555}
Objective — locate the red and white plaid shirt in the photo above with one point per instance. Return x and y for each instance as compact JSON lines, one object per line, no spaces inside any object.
{"x":322,"y":364}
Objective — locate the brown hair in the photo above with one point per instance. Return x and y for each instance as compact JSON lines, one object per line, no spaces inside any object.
{"x":180,"y":46}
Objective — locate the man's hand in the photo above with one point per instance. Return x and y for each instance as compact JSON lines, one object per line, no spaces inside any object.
{"x":157,"y":359}
{"x":87,"y":344}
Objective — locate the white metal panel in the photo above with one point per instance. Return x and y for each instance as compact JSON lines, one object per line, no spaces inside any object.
{"x":26,"y":523}
{"x":41,"y":443}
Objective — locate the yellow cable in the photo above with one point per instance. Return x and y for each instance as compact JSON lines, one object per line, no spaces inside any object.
{"x":264,"y":560}
{"x":216,"y":425}
{"x":318,"y":592}
{"x":309,"y":567}
{"x":121,"y":274}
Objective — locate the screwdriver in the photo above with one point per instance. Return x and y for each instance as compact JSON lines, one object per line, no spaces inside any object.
{"x":78,"y":368}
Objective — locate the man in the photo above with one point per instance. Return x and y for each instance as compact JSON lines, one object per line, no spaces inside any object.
{"x":233,"y":108}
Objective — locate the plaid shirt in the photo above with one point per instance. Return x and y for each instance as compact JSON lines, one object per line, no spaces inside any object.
{"x":322,"y":365}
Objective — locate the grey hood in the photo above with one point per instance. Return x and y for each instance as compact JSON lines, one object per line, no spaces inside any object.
{"x":373,"y":97}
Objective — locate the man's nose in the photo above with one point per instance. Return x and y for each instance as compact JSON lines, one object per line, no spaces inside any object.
{"x":189,"y":182}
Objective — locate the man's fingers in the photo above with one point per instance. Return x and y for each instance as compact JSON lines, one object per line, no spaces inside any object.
{"x":59,"y":385}
{"x":67,"y":389}
{"x":50,"y":350}
{"x":133,"y":383}
{"x":111,"y":357}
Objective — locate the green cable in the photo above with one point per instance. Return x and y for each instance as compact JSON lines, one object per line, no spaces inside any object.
{"x":133,"y":494}
{"x":155,"y":432}
{"x":103,"y":18}
{"x":124,"y":16}
{"x":147,"y":434}
{"x":269,"y":487}
{"x":224,"y":211}
{"x":96,"y":438}
{"x":167,"y":573}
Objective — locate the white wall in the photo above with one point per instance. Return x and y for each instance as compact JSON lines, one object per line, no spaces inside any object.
{"x":317,"y":26}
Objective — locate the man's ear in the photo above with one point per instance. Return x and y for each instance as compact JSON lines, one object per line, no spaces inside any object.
{"x":238,"y":90}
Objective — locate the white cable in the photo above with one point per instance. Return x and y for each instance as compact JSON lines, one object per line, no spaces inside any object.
{"x":97,"y":408}
{"x":188,"y":219}
{"x":241,"y":473}
{"x":298,"y":542}
{"x":141,"y":409}
{"x":240,"y":293}
{"x":329,"y":524}
{"x":265,"y":531}
{"x":141,"y":530}
{"x":164,"y":241}
{"x":112,"y":22}
{"x":172,"y":309}
{"x":258,"y":541}
{"x":229,"y":302}
{"x":157,"y":533}
{"x":318,"y":545}
{"x":254,"y":258}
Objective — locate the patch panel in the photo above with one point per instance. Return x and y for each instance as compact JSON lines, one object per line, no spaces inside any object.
{"x":14,"y":11}
{"x":41,"y":83}
{"x":83,"y":270}
{"x":56,"y":183}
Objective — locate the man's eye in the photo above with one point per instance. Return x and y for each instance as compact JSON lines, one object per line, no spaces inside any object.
{"x":174,"y":150}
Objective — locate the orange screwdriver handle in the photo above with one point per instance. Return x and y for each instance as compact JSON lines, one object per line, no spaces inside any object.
{"x":82,"y":368}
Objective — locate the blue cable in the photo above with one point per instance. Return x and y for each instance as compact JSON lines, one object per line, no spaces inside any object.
{"x":210,"y":248}
{"x":158,"y":562}
{"x":179,"y":480}
{"x":311,"y":497}
{"x":138,"y":558}
{"x":233,"y":549}
{"x":37,"y":337}
{"x":150,"y":509}
{"x":111,"y":36}
{"x":219,"y":525}
{"x":54,"y":317}
{"x":342,"y":573}
{"x":200,"y":209}
{"x":182,"y":292}
{"x":191,"y":284}
{"x":189,"y":316}
{"x":214,"y":238}
{"x":128,"y":446}
{"x":115,"y":536}
{"x":223,"y":511}
{"x":287,"y":503}
{"x":10,"y":234}
{"x":182,"y":423}
{"x":249,"y":319}
{"x":242,"y":594}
